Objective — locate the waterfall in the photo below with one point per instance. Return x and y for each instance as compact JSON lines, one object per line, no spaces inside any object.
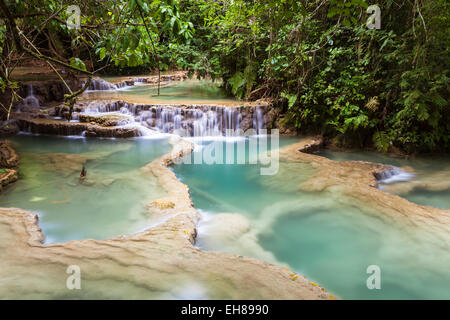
{"x":100,"y":84}
{"x":393,"y":175}
{"x":177,"y":119}
{"x":186,"y":120}
{"x":120,"y":85}
{"x":258,"y":119}
{"x":30,"y":103}
{"x":139,"y":80}
{"x":31,"y":99}
{"x":98,"y":107}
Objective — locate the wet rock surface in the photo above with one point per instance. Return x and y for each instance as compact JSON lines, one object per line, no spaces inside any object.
{"x":9,"y":164}
{"x":111,"y":132}
{"x":106,"y":120}
{"x":195,"y":120}
{"x":8,"y":128}
{"x":43,"y":92}
{"x":358,"y":181}
{"x":52,"y":127}
{"x":65,"y":128}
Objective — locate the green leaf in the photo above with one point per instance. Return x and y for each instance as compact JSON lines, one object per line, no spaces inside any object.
{"x":102,"y":53}
{"x":77,"y":63}
{"x":237,"y":81}
{"x":292,"y":98}
{"x":381,"y":141}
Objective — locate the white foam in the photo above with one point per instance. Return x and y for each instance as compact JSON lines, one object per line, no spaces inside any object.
{"x":396,"y":175}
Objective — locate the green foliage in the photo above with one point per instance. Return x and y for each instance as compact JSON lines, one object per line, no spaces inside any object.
{"x":77,"y":63}
{"x":381,"y":141}
{"x":291,"y":98}
{"x":237,"y":82}
{"x":316,"y":59}
{"x":331,"y":74}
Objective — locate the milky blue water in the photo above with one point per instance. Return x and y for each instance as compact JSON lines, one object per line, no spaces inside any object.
{"x":432,"y":168}
{"x":321,"y":235}
{"x":110,"y":202}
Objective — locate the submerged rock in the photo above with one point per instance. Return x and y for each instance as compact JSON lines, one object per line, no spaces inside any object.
{"x":64,"y":164}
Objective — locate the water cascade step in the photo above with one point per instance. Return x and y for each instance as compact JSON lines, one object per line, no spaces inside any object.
{"x":188,"y":120}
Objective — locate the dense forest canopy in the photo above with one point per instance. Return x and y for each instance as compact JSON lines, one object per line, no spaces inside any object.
{"x":320,"y":63}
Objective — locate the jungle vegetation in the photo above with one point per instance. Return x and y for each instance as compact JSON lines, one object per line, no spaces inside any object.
{"x":320,"y":63}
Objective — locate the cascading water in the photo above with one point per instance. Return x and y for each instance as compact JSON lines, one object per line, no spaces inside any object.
{"x":30,"y":103}
{"x":100,"y":84}
{"x":258,"y":120}
{"x":192,"y":121}
{"x":393,"y":175}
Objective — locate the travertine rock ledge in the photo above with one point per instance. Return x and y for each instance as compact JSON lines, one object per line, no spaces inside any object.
{"x":89,"y":129}
{"x":356,"y":181}
{"x":160,"y":262}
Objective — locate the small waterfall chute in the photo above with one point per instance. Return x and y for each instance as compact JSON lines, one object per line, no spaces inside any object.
{"x":101,"y":85}
{"x":30,"y":103}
